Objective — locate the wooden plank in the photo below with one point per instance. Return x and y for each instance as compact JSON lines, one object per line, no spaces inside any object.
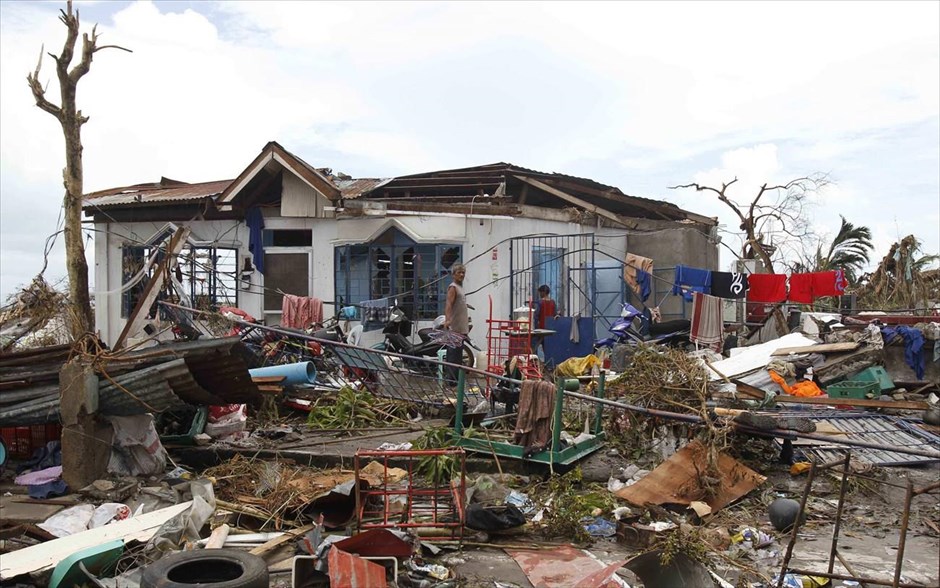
{"x":268,"y":379}
{"x":859,"y":402}
{"x":821,"y":348}
{"x":573,"y":200}
{"x":46,"y":555}
{"x":135,"y":321}
{"x":278,"y":541}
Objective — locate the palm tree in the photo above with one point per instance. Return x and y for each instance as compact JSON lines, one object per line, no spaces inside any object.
{"x":849,"y":250}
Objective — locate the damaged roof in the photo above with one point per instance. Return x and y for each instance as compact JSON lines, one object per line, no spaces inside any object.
{"x":494,"y":184}
{"x":156,"y":193}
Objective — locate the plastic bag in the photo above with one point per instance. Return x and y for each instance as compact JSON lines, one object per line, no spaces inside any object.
{"x":219,"y":411}
{"x":136,"y":449}
{"x":69,"y":521}
{"x":227,"y":424}
{"x":107,"y":513}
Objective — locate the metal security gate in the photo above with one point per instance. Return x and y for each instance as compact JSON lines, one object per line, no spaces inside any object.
{"x":547,"y":259}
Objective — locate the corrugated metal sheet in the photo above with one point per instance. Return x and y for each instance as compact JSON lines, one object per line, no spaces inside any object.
{"x":210,"y":371}
{"x":871,"y":428}
{"x":155,"y":194}
{"x":354,"y":188}
{"x":219,"y":366}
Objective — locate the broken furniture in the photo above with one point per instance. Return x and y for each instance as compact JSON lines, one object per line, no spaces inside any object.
{"x":555,"y":454}
{"x":430,"y":507}
{"x":834,"y":554}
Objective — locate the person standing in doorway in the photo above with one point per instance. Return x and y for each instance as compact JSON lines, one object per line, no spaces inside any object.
{"x":456,"y":318}
{"x":544,"y":308}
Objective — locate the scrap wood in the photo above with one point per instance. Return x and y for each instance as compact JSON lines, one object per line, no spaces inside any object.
{"x":900,"y":404}
{"x":821,"y":348}
{"x":676,"y":481}
{"x":46,"y":555}
{"x":278,"y":541}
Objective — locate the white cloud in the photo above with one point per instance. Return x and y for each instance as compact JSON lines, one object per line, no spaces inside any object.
{"x":641,"y":94}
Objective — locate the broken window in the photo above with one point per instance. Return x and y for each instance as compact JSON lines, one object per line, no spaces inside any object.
{"x":204,"y":278}
{"x":393,"y":265}
{"x":285,"y":273}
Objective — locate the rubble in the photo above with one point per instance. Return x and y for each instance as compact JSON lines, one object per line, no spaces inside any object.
{"x":373,"y":473}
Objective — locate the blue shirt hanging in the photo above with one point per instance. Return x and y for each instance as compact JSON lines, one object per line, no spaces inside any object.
{"x":691,"y":279}
{"x":255,"y":221}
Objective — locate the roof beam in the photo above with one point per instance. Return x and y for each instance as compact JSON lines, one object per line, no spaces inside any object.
{"x":574,"y":200}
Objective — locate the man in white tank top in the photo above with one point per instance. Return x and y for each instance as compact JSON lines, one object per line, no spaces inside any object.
{"x":456,"y":317}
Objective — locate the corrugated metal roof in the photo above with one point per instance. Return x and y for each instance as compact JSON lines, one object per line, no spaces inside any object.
{"x":353,"y":188}
{"x":870,"y":428}
{"x":219,"y":366}
{"x":155,"y":194}
{"x":210,"y":371}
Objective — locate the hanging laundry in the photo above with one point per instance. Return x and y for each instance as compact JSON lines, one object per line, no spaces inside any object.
{"x":831,"y":283}
{"x":691,"y":279}
{"x":644,"y":280}
{"x":375,"y":313}
{"x":707,"y":325}
{"x":767,"y":288}
{"x":255,"y":221}
{"x":729,"y":285}
{"x":636,"y":270}
{"x":299,"y":312}
{"x":801,"y":288}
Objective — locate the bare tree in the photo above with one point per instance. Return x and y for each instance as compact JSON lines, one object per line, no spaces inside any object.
{"x":71,"y":119}
{"x":780,"y":208}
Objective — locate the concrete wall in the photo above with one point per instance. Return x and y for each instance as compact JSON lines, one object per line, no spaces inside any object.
{"x":486,"y":276}
{"x":668,"y":248}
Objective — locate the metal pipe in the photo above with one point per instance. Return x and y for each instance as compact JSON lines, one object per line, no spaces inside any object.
{"x":848,"y":567}
{"x":772,"y":433}
{"x":835,"y":532}
{"x":859,"y":579}
{"x":796,"y":524}
{"x":905,"y":519}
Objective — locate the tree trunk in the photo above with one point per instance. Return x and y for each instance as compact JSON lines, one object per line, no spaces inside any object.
{"x":82,"y":320}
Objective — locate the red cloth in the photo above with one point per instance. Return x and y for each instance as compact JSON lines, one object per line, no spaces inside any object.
{"x":828,"y":283}
{"x":767,"y":288}
{"x":801,"y":288}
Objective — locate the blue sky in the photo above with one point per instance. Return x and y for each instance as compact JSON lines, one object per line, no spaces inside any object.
{"x":637,"y":95}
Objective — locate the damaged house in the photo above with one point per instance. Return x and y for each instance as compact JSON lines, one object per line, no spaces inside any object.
{"x":283,"y":226}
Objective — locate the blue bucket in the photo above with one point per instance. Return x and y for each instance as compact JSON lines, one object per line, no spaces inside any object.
{"x":294,"y":373}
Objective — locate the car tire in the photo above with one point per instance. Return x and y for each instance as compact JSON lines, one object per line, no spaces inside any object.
{"x":209,"y":568}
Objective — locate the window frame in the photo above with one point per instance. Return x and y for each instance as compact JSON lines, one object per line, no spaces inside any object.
{"x":401,"y":251}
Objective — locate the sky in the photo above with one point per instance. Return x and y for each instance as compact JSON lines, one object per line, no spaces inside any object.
{"x":642,"y":96}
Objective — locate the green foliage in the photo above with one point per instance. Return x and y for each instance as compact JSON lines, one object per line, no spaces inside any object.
{"x":568,"y":503}
{"x":437,"y":469}
{"x":354,"y":409}
{"x":688,"y":542}
{"x":848,"y":250}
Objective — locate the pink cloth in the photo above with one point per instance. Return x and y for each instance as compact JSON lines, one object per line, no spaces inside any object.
{"x":39,"y":477}
{"x":707,"y":325}
{"x":299,"y":312}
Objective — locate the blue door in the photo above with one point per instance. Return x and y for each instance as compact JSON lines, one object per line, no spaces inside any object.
{"x":548,"y":268}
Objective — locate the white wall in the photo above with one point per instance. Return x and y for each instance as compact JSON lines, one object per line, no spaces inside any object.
{"x":485,"y":279}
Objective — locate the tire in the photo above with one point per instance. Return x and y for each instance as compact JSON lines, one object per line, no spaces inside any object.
{"x":468,"y":356}
{"x":209,"y":568}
